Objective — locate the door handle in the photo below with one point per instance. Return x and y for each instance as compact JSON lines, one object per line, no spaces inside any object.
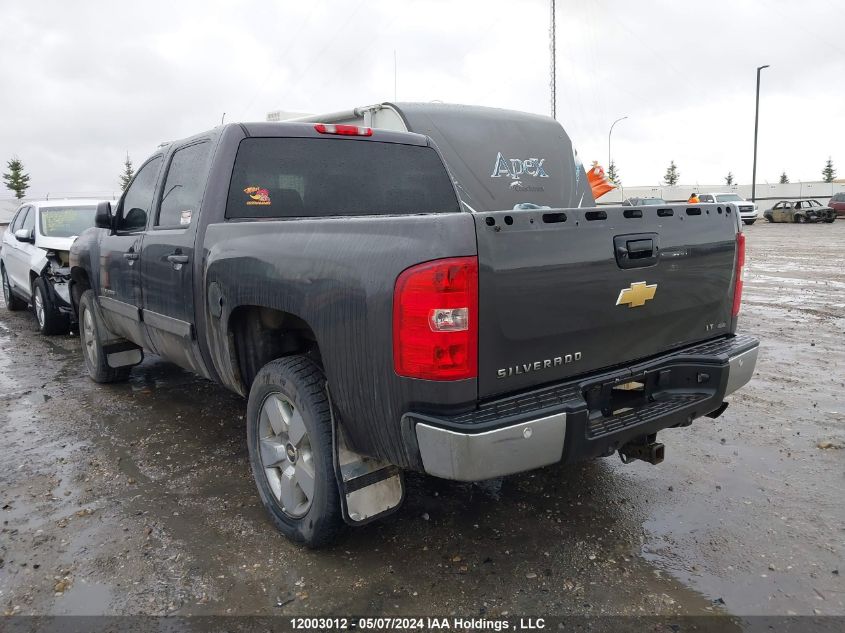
{"x":177,"y":259}
{"x":130,"y":256}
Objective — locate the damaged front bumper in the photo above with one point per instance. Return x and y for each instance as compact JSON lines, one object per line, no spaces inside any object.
{"x":587,"y":417}
{"x":59,"y":282}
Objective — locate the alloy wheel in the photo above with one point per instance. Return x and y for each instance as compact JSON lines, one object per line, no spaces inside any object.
{"x":286,"y":455}
{"x":7,"y":289}
{"x":89,"y":338}
{"x":39,"y":307}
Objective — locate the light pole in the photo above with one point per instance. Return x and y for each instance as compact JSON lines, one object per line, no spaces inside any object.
{"x":608,"y":138}
{"x":756,"y":120}
{"x":553,"y":54}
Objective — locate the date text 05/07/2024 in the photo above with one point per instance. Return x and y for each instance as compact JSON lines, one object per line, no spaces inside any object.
{"x":421,"y":623}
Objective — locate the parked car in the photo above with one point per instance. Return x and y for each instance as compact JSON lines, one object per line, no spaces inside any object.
{"x":747,"y":210}
{"x":837,"y":203}
{"x":800,"y":211}
{"x":643,"y":202}
{"x":329,"y":273}
{"x":34,"y":259}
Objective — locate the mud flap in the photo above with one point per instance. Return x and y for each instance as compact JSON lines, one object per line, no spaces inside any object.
{"x":123,"y":354}
{"x":369,"y":488}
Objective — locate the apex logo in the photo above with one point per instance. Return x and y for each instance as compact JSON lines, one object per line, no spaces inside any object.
{"x":517,"y":167}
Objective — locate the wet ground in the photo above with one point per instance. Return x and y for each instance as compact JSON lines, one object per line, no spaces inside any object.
{"x":137,"y":498}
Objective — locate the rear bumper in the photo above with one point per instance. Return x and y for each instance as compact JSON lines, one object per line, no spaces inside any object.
{"x":583,"y":419}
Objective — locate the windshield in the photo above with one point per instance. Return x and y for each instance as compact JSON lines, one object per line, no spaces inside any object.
{"x":729,"y":197}
{"x":67,"y":221}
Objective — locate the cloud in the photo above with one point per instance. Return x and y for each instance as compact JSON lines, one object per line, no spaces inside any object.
{"x":83,"y":83}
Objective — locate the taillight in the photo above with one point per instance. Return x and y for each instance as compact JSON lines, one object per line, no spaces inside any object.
{"x":344,"y":130}
{"x":435,"y":320}
{"x":740,"y":262}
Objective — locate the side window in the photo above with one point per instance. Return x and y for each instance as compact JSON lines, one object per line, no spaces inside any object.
{"x":139,"y":198}
{"x":19,"y":216}
{"x":29,"y":220}
{"x":706,"y":198}
{"x":183,"y":187}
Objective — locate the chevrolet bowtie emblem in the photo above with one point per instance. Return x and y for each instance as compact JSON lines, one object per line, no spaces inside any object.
{"x":636,"y":295}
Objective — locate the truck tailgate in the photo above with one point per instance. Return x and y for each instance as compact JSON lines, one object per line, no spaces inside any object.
{"x":568,"y":291}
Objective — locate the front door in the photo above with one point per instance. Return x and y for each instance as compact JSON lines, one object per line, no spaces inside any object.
{"x":120,"y":254}
{"x":168,"y":259}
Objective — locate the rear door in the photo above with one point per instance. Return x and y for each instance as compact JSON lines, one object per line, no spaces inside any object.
{"x":13,"y":250}
{"x":565,"y":292}
{"x":120,"y":254}
{"x":168,"y":257}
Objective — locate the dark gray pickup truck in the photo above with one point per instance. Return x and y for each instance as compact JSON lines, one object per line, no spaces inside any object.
{"x":335,"y":276}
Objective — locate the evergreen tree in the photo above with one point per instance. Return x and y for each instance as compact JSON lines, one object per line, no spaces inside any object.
{"x":128,"y":172}
{"x":613,"y":174}
{"x":16,"y":179}
{"x":828,"y":173}
{"x":672,"y":174}
{"x":784,"y":179}
{"x":729,"y":179}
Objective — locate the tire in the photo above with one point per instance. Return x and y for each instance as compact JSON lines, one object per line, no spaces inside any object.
{"x":50,"y":320}
{"x":798,"y":219}
{"x":289,"y":436}
{"x":829,"y":220}
{"x":749,"y":222}
{"x":90,"y":336}
{"x":13,"y":302}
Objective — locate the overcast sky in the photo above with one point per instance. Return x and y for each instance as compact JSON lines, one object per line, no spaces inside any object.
{"x":82,"y":83}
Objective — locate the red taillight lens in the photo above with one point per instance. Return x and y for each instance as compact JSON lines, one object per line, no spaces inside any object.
{"x":344,"y":130}
{"x":740,"y":262}
{"x":435,"y":320}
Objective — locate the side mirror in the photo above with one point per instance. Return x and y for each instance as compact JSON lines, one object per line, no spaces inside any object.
{"x":103,"y":217}
{"x":24,"y":235}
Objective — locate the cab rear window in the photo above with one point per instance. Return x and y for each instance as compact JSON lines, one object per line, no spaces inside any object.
{"x":308,"y":177}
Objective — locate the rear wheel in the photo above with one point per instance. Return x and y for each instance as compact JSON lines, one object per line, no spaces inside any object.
{"x":289,"y":436}
{"x":91,"y":335}
{"x":798,"y":219}
{"x":50,"y":319}
{"x":13,"y":302}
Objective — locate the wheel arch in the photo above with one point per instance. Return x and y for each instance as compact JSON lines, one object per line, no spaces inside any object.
{"x":79,"y":283}
{"x":258,"y":334}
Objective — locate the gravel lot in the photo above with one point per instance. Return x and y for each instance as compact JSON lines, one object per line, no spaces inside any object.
{"x":137,"y":498}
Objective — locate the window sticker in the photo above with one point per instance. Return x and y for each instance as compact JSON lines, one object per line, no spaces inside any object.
{"x":258,"y":196}
{"x":185,"y":217}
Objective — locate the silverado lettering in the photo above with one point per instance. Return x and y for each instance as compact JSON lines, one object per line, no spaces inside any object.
{"x":537,"y":365}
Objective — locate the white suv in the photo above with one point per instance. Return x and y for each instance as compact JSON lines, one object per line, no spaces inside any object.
{"x":747,"y":210}
{"x":34,"y":259}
